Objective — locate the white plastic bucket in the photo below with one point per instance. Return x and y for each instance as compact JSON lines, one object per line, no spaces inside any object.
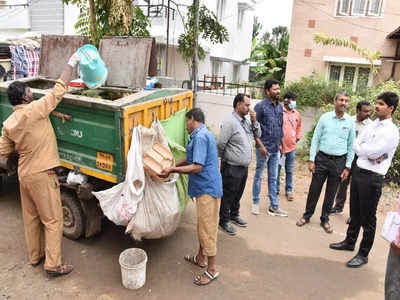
{"x":133,"y":268}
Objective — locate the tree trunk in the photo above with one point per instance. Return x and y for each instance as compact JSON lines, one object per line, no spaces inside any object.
{"x":195,"y":53}
{"x":93,"y":32}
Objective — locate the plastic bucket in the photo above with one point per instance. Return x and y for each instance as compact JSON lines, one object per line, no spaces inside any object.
{"x":133,"y":268}
{"x":92,"y":69}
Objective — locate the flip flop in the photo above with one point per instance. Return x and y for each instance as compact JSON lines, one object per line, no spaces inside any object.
{"x":211,"y":277}
{"x":193,"y":260}
{"x":326,"y":227}
{"x":38,"y":262}
{"x":302,"y":222}
{"x":60,"y":271}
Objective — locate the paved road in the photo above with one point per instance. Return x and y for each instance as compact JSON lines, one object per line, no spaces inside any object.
{"x":272,"y":259}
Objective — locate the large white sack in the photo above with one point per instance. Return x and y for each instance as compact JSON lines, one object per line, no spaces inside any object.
{"x":120,"y":202}
{"x":158,"y":214}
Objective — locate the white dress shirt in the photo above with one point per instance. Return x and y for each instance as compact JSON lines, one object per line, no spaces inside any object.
{"x":376,"y":139}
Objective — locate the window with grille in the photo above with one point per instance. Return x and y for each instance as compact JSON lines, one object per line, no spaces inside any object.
{"x":363,"y":8}
{"x":374,"y":7}
{"x":353,"y":76}
{"x":344,"y":7}
{"x":335,"y":73}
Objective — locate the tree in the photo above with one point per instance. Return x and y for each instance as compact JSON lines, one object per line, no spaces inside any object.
{"x":270,"y":55}
{"x":209,"y":29}
{"x":257,"y":26}
{"x":110,"y":17}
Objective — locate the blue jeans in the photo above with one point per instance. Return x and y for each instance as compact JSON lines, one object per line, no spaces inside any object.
{"x":271,"y":162}
{"x":289,"y":167}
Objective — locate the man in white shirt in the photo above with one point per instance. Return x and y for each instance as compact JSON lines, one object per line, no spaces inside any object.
{"x":361,"y":120}
{"x":375,"y":148}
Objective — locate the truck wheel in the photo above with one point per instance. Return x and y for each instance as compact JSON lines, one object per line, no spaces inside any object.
{"x":3,"y":182}
{"x":73,"y":216}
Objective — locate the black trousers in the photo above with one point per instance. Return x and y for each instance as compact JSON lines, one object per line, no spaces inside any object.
{"x":233,"y":183}
{"x":341,"y":194}
{"x":326,"y":168}
{"x":365,"y":192}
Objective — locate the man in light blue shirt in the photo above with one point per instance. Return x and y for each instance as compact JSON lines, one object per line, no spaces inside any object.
{"x":333,"y":137}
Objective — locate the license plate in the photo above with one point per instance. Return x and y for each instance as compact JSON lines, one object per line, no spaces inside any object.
{"x":105,"y":161}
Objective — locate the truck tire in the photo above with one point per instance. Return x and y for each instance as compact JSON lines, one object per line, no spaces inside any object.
{"x":74,"y":218}
{"x":3,"y":182}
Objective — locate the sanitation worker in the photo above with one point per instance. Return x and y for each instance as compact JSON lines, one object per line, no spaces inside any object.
{"x":29,"y":133}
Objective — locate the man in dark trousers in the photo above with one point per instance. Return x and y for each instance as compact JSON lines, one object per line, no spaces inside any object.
{"x":362,"y":120}
{"x":235,"y":148}
{"x":375,"y":149}
{"x":28,"y":132}
{"x":333,"y":136}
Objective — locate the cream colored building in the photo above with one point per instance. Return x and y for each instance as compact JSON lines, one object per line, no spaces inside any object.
{"x":373,"y":24}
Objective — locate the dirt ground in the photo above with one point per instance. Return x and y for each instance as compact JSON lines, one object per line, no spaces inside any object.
{"x":271,"y":259}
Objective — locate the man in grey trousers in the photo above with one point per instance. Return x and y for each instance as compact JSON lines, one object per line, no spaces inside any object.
{"x":236,"y":151}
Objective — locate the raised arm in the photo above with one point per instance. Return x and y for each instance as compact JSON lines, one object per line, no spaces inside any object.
{"x":45,"y":105}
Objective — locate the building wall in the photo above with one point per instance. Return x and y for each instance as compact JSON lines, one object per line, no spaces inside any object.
{"x":217,"y":108}
{"x":17,"y":20}
{"x":370,"y":32}
{"x":237,"y":49}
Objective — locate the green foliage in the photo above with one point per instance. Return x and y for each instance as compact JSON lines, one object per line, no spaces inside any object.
{"x":370,"y":94}
{"x":209,"y":29}
{"x":138,"y":27}
{"x":257,"y":26}
{"x":315,"y":91}
{"x":371,"y":56}
{"x":270,"y":55}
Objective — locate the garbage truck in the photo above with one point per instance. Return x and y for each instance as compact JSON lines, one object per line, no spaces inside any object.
{"x":97,"y":140}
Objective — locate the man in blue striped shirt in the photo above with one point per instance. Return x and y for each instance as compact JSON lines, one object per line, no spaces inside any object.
{"x":333,"y":136}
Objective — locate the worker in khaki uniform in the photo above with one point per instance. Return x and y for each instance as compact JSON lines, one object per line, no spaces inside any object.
{"x":29,"y":133}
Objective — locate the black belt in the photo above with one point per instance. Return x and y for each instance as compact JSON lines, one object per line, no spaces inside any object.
{"x":225,"y":164}
{"x":332,"y":156}
{"x":370,"y":173}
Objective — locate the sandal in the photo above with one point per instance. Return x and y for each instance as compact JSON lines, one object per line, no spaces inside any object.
{"x":61,"y":270}
{"x":193,"y":260}
{"x":211,"y":277}
{"x":38,"y":262}
{"x":302,"y":222}
{"x":327,"y":227}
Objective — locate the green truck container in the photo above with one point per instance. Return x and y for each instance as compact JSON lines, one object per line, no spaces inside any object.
{"x":97,"y":140}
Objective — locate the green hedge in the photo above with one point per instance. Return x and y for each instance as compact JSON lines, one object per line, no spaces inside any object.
{"x":310,"y":88}
{"x":314,"y":91}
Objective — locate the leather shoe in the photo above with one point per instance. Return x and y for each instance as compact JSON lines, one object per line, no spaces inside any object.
{"x":239,"y":221}
{"x":357,"y":261}
{"x":342,"y":246}
{"x":228,"y":228}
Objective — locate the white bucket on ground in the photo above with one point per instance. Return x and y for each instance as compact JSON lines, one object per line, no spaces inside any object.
{"x":133,"y":268}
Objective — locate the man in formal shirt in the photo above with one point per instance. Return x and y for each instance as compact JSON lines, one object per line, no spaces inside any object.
{"x":333,"y":136}
{"x":29,"y":133}
{"x":205,"y":185}
{"x":270,"y":116}
{"x":392,"y":276}
{"x":235,"y":148}
{"x":291,"y":135}
{"x":375,"y":148}
{"x":363,"y":111}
